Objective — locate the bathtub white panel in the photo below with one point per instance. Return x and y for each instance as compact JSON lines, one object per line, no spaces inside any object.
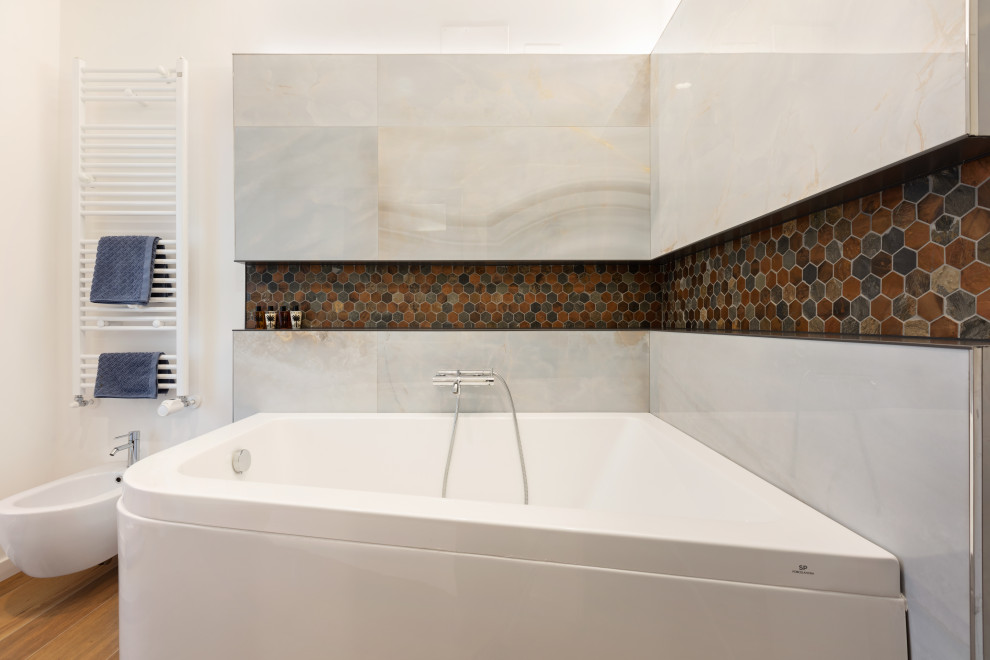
{"x":514,"y":193}
{"x":514,"y":90}
{"x":376,"y":601}
{"x":572,"y":370}
{"x":304,"y":372}
{"x":874,"y":436}
{"x":306,"y":193}
{"x":305,"y":90}
{"x":760,"y":105}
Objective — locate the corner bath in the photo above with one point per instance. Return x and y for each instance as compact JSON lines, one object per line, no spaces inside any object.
{"x":639,"y":542}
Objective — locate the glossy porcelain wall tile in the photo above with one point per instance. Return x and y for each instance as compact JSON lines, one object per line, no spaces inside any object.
{"x":305,"y":193}
{"x":305,"y":90}
{"x":874,"y":436}
{"x":514,"y":90}
{"x":724,"y":158}
{"x":304,"y":371}
{"x":570,"y":370}
{"x":812,"y":26}
{"x":514,"y":193}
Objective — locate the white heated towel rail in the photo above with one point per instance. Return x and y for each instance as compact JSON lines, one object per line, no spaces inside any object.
{"x":129,"y":157}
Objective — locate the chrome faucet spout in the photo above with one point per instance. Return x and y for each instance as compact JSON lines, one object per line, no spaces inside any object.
{"x":133,"y":447}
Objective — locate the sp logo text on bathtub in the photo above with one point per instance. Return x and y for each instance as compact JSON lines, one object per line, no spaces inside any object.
{"x":802,"y":569}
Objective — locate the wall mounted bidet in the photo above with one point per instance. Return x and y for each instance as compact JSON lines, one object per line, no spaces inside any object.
{"x":66,"y":525}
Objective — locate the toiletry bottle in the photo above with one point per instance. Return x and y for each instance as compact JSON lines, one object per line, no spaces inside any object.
{"x":283,"y":322}
{"x":296,"y":316}
{"x":259,"y":318}
{"x":270,"y":317}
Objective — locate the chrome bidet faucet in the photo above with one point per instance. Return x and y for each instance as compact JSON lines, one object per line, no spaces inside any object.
{"x":133,"y":447}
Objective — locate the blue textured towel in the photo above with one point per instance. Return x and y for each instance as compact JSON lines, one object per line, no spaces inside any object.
{"x":127,"y":376}
{"x":123,"y":270}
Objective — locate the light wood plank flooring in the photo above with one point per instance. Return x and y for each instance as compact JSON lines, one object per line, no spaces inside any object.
{"x":74,"y":616}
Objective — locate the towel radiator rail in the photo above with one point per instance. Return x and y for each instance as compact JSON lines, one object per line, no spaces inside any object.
{"x":129,"y":157}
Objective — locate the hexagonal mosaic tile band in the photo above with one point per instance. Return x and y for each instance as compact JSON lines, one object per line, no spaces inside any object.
{"x":402,"y":295}
{"x":913,"y":260}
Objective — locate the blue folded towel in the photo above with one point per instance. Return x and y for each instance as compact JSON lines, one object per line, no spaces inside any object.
{"x":127,"y":376}
{"x":123,"y":270}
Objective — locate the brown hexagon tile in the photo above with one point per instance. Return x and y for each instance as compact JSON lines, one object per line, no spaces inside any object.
{"x":960,"y":252}
{"x":882,"y":221}
{"x":870,"y":203}
{"x":975,"y":278}
{"x":892,"y":285}
{"x":842,"y":269}
{"x":983,"y":194}
{"x":852,"y":246}
{"x":861,"y":225}
{"x":881,"y":307}
{"x":881,"y":264}
{"x":833,"y":325}
{"x":931,"y":256}
{"x":851,"y":288}
{"x":917,"y":234}
{"x":930,"y":207}
{"x":916,"y":328}
{"x":975,"y":172}
{"x":983,"y":305}
{"x":892,"y":196}
{"x":944,"y":327}
{"x":976,"y":224}
{"x":892,"y":326}
{"x":905,"y":214}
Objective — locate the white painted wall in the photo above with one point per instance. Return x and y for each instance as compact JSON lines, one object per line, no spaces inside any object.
{"x":207,"y":33}
{"x":28,"y":170}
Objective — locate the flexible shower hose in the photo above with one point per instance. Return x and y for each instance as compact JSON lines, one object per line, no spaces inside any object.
{"x":515,"y":422}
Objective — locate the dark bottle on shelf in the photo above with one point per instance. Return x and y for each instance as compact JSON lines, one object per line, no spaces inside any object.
{"x":284,"y":321}
{"x":259,"y":318}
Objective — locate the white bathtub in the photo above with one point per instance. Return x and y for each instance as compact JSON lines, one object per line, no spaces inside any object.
{"x":638,"y":542}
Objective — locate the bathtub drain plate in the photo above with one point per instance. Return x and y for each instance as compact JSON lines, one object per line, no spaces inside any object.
{"x":241,"y":460}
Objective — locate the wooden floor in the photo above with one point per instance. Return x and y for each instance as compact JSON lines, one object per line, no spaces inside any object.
{"x":74,"y":616}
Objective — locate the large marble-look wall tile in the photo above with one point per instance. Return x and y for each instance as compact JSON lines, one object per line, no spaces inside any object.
{"x":303,"y":371}
{"x":306,"y":193}
{"x":565,"y":371}
{"x":305,"y":90}
{"x":874,"y":436}
{"x":535,"y":193}
{"x":514,"y":90}
{"x":724,"y":158}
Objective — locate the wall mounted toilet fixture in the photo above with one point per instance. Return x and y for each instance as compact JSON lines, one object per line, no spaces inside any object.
{"x":63,"y":526}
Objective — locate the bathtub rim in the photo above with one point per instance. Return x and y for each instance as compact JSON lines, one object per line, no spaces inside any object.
{"x":156,"y":489}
